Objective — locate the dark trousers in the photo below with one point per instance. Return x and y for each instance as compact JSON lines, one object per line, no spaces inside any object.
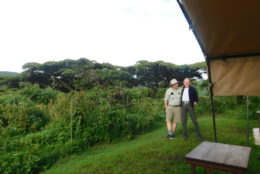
{"x":187,"y":108}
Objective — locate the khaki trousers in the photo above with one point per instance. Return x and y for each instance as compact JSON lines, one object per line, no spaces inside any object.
{"x":174,"y":113}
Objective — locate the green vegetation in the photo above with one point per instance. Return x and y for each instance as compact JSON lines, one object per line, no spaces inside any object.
{"x":55,"y":109}
{"x":82,"y":74}
{"x":38,"y":126}
{"x":152,"y":153}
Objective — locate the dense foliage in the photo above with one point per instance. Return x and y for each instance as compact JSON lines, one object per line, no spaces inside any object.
{"x":82,"y":74}
{"x":38,"y":126}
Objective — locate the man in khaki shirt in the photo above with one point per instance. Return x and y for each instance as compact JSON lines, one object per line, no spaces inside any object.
{"x":172,"y":102}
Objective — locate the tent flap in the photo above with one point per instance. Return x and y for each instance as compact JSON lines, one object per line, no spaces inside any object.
{"x":237,"y":76}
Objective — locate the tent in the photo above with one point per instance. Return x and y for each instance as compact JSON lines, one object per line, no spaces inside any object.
{"x":228,"y":32}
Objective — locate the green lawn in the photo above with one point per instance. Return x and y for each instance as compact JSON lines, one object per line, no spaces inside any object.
{"x":152,"y":153}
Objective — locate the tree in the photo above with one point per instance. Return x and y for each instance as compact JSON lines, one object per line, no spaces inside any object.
{"x":81,"y":74}
{"x":158,"y":74}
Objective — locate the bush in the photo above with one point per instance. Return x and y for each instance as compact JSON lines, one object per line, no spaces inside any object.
{"x":36,"y":94}
{"x":254,"y":105}
{"x":220,"y":103}
{"x":23,"y":117}
{"x":37,"y":133}
{"x":19,"y":163}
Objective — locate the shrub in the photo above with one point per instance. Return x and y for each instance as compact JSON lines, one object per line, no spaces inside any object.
{"x":19,"y":163}
{"x":220,"y":103}
{"x":254,"y":105}
{"x":36,"y":94}
{"x":23,"y":117}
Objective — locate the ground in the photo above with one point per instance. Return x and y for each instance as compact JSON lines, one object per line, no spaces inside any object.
{"x":152,"y":153}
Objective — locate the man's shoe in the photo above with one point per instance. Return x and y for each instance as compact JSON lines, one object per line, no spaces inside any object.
{"x":169,"y":137}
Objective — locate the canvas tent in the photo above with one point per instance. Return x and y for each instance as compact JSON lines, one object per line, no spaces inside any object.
{"x":228,"y":32}
{"x":229,"y":35}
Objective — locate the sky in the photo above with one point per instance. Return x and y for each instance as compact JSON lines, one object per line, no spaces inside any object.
{"x":120,"y":32}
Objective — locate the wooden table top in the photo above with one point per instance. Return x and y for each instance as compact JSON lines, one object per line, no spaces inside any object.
{"x":223,"y":154}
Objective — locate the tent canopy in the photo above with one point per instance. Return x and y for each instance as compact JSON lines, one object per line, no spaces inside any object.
{"x":228,"y":32}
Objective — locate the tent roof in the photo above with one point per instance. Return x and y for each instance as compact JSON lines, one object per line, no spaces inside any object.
{"x":226,"y":27}
{"x":228,"y":32}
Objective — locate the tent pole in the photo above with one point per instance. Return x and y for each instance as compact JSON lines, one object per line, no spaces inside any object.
{"x":247,"y":119}
{"x":212,"y":99}
{"x":213,"y":112}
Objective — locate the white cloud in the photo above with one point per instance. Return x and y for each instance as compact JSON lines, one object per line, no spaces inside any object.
{"x":117,"y":31}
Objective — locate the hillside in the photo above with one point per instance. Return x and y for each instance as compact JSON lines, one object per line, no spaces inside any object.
{"x":8,"y":73}
{"x":152,"y":153}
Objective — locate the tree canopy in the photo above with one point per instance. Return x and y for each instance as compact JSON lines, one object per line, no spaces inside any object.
{"x":81,"y":74}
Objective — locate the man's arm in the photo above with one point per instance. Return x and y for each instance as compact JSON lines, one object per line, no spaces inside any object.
{"x":166,"y":99}
{"x":196,"y":99}
{"x":196,"y":95}
{"x":166,"y":105}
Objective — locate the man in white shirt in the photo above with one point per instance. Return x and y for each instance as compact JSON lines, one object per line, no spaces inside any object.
{"x":189,"y":98}
{"x":172,"y":102}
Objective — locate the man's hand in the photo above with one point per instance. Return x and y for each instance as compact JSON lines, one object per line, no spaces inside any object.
{"x":195,"y":103}
{"x":166,"y":109}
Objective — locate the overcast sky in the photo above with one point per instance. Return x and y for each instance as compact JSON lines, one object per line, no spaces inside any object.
{"x":120,"y":32}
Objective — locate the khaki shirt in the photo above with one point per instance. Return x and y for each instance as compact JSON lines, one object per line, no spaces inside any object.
{"x":173,"y":97}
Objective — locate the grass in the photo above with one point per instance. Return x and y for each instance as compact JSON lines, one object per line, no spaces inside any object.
{"x":152,"y":153}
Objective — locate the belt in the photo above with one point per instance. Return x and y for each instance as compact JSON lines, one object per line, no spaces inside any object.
{"x":175,"y":105}
{"x":185,"y":102}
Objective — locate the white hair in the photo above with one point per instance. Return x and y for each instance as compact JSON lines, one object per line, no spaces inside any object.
{"x":187,"y":79}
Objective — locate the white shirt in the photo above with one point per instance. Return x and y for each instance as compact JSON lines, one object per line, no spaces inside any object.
{"x":185,"y":95}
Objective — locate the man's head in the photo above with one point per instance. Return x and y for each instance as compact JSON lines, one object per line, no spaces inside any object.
{"x":174,"y":83}
{"x":186,"y":82}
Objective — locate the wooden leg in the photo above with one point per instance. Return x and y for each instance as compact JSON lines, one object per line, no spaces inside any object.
{"x":208,"y":171}
{"x":193,"y":169}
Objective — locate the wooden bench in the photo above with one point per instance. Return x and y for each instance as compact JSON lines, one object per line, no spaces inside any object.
{"x":230,"y":158}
